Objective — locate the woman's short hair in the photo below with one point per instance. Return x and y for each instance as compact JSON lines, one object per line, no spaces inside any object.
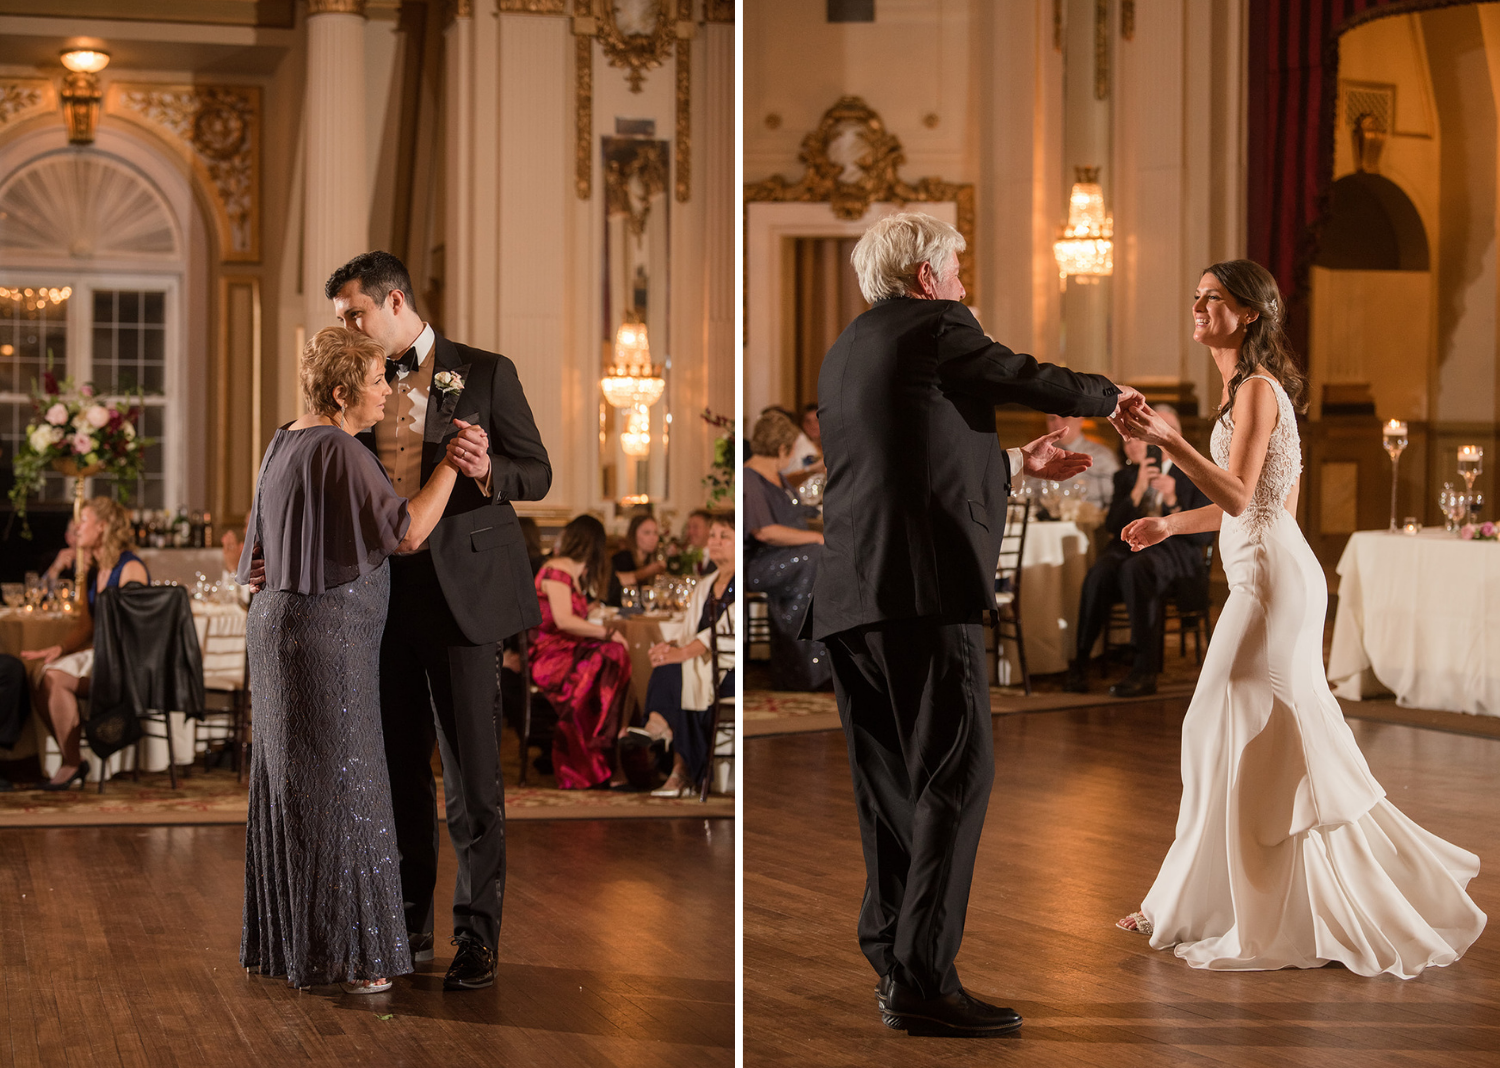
{"x":773,"y":432}
{"x":336,"y":357}
{"x":118,"y":532}
{"x":583,"y":540}
{"x":722,"y":519}
{"x":888,"y":257}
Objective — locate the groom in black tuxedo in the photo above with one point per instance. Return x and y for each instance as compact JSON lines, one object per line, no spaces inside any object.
{"x":912,"y":517}
{"x":452,"y":601}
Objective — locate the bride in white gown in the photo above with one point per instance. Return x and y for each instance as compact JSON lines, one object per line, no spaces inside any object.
{"x":1287,"y":852}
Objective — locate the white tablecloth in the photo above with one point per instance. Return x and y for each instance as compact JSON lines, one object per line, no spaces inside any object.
{"x":1053,"y":566}
{"x":1419,"y":616}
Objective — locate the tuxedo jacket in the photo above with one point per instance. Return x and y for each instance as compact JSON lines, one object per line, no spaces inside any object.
{"x":478,"y":549}
{"x":914,"y":505}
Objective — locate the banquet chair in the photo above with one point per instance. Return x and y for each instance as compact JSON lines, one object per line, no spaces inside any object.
{"x":1006,"y":618}
{"x":226,"y":695}
{"x":1187,"y":602}
{"x":757,"y":626}
{"x":147,"y":662}
{"x":721,"y":727}
{"x":535,"y":731}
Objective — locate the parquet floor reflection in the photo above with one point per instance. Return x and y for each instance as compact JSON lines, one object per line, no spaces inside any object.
{"x":1082,"y":813}
{"x":120,"y":946}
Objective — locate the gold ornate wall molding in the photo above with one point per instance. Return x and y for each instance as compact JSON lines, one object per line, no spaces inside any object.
{"x":216,"y":128}
{"x":636,"y":53}
{"x":631,"y":178}
{"x":532,"y":7}
{"x":23,"y":98}
{"x":853,"y":161}
{"x":336,"y":7}
{"x":718,"y":10}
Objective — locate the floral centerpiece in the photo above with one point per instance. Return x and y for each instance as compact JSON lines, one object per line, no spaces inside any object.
{"x":720,"y":478}
{"x":1482,"y":532}
{"x":78,"y":435}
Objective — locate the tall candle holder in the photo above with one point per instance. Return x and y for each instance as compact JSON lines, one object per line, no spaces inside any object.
{"x":1470,"y":464}
{"x":1393,"y":437}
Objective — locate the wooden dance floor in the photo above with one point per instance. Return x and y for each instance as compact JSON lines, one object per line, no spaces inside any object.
{"x":120,"y":946}
{"x":1083,"y":811}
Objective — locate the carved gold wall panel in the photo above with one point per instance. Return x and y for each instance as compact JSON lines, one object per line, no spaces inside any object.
{"x":718,"y":10}
{"x":533,"y":7}
{"x":22,"y":98}
{"x":684,"y":148}
{"x":216,"y":128}
{"x":853,"y":161}
{"x":336,"y":7}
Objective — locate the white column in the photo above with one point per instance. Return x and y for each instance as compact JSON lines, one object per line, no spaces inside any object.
{"x":336,"y":202}
{"x":458,"y":220}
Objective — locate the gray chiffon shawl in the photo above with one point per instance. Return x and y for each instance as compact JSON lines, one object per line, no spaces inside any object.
{"x":325,"y":512}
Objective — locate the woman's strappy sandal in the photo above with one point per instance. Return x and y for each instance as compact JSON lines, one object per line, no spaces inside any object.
{"x":1136,"y":922}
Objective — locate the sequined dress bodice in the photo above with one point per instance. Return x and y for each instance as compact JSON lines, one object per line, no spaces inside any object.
{"x":1278,"y":474}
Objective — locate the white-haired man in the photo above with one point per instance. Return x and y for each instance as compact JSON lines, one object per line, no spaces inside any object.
{"x":912,"y":518}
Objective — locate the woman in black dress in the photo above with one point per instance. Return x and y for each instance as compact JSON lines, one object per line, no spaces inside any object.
{"x":322,"y":883}
{"x":781,"y":556}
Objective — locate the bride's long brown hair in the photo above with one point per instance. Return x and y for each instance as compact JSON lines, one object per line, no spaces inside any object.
{"x":1265,"y":347}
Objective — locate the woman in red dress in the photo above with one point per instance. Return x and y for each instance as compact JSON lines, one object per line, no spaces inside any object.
{"x":583,"y":668}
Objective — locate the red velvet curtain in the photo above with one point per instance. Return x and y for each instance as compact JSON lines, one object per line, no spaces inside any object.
{"x":1293,"y":87}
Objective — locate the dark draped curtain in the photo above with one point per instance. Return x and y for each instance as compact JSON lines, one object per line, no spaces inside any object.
{"x":1293,"y":90}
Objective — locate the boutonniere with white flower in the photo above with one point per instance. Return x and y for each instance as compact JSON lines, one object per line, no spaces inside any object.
{"x":448,"y":383}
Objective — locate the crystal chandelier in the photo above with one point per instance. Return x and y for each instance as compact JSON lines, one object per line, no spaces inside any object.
{"x":1086,"y":249}
{"x":635,"y":439}
{"x":632,"y":381}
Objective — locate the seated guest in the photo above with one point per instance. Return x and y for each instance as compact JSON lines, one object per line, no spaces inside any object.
{"x":1097,"y":483}
{"x":680,"y":694}
{"x":62,"y":569}
{"x":1148,"y":485}
{"x":695,"y":535}
{"x":807,"y":451}
{"x":636,"y":564}
{"x":533,"y":535}
{"x":781,"y":556}
{"x":104,"y":539}
{"x":582,"y":668}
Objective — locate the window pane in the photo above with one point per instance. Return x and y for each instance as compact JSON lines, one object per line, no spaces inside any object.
{"x":155,"y":307}
{"x":126,"y":362}
{"x":33,"y":325}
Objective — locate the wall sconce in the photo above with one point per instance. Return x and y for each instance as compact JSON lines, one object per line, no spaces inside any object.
{"x":1086,"y":249}
{"x":80,"y":95}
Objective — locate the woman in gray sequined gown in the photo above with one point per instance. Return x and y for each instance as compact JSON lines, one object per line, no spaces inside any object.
{"x":322,"y":879}
{"x":781,"y":556}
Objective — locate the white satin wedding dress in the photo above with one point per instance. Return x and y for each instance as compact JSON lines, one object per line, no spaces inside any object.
{"x":1287,"y":852}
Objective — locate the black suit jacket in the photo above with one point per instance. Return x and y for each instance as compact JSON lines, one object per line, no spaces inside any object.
{"x":1122,"y":513}
{"x":914,"y":505}
{"x":478,"y":549}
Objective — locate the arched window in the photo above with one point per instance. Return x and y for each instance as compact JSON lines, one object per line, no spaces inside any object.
{"x":91,"y":272}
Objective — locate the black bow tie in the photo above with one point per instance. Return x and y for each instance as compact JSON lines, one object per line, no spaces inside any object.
{"x":403,"y":366}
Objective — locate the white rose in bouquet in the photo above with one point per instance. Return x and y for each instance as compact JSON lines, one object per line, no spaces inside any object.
{"x":44,"y":437}
{"x":57,"y":415}
{"x":97,"y":416}
{"x":128,"y":430}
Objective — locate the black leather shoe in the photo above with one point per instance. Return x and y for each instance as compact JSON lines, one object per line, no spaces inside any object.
{"x":883,"y":990}
{"x":956,"y":1015}
{"x":421,"y":946}
{"x":1136,"y":684}
{"x":473,"y":966}
{"x":1078,"y":677}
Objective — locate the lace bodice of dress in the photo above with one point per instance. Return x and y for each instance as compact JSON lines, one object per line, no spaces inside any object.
{"x":1282,"y":467}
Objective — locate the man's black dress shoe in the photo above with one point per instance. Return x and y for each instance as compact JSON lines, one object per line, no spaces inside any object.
{"x":421,"y":946}
{"x":1078,"y":677}
{"x":1136,"y":684}
{"x":954,"y":1015}
{"x":883,"y":990}
{"x":473,"y":966}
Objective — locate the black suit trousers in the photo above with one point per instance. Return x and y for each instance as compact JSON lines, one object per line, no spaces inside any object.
{"x":432,"y":680}
{"x":913,"y":697}
{"x":1142,"y":580}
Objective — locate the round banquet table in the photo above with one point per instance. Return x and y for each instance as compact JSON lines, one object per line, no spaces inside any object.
{"x":1053,"y":566}
{"x":1419,"y":616}
{"x":643,"y":631}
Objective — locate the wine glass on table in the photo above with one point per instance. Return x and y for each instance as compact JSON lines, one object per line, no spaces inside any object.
{"x":1470,"y":464}
{"x":1393,"y":437}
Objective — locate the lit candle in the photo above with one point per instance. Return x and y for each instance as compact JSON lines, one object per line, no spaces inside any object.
{"x":1395,"y":428}
{"x":1470,"y":452}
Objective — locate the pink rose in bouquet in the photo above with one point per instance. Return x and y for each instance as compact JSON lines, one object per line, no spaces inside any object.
{"x":1466,"y":532}
{"x":97,"y":416}
{"x":82,"y":443}
{"x":57,"y":415}
{"x":1487,"y":530}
